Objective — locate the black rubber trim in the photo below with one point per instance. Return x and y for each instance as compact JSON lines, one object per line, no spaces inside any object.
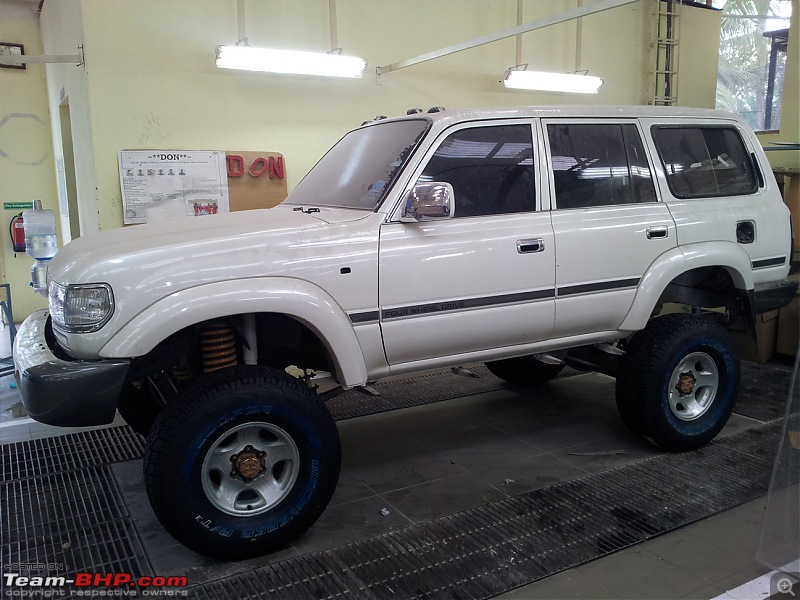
{"x":769,"y":262}
{"x":602,"y":286}
{"x":418,"y":310}
{"x":773,"y":296}
{"x":362,"y":318}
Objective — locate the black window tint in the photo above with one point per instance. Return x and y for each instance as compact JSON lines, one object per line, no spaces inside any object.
{"x":490,"y":169}
{"x":599,"y":165}
{"x":705,"y":161}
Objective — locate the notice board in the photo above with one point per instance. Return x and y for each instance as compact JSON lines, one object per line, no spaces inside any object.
{"x":159,"y":185}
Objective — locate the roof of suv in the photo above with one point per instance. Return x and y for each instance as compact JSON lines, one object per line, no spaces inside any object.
{"x":470,"y":114}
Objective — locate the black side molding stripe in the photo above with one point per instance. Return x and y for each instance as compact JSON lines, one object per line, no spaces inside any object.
{"x":452,"y":305}
{"x":364,"y":317}
{"x":598,"y":287}
{"x":768,"y":262}
{"x":418,"y":310}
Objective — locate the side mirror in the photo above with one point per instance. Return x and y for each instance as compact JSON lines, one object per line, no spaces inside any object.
{"x":428,"y":202}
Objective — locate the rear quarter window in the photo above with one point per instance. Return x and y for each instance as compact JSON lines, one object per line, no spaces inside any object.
{"x":704,"y":161}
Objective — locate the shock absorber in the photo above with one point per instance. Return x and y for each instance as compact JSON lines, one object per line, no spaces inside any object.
{"x":217,"y":347}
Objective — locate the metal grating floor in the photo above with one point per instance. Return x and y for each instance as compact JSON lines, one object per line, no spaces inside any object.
{"x":34,"y":458}
{"x":69,"y":522}
{"x":62,"y":506}
{"x":489,"y":550}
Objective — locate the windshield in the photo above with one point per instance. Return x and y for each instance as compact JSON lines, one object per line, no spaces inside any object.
{"x":359,"y":170}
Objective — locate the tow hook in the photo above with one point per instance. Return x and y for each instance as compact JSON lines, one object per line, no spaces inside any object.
{"x":248,"y":464}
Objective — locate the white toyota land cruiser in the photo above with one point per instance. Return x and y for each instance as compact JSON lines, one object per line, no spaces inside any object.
{"x":526,"y":238}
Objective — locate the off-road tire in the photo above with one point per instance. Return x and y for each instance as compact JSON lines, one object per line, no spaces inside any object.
{"x":212,"y":413}
{"x":649,"y":399}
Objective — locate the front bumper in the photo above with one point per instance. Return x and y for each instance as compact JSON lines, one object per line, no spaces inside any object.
{"x":62,"y":392}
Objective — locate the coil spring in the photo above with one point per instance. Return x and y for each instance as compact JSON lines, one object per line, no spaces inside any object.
{"x":217,"y":347}
{"x":181,"y":374}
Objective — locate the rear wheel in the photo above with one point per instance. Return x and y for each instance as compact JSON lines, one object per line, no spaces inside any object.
{"x":678,"y":382}
{"x":524,"y":371}
{"x":242,"y":462}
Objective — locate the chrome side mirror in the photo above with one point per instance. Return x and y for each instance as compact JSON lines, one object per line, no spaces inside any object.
{"x":428,"y":202}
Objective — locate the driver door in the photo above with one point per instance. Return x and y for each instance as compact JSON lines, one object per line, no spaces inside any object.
{"x":484,"y":278}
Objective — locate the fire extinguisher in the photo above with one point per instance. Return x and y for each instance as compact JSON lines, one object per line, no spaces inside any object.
{"x":17,"y":231}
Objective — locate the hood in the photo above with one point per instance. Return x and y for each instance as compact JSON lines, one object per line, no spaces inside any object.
{"x":94,"y":257}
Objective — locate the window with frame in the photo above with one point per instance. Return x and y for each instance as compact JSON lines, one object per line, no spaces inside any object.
{"x":489,"y":167}
{"x":705,"y":161}
{"x":599,"y":165}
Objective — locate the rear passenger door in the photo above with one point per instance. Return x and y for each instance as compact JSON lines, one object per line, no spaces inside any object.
{"x":608,"y":222}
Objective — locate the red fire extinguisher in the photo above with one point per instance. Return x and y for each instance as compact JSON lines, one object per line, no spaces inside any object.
{"x":17,"y":231}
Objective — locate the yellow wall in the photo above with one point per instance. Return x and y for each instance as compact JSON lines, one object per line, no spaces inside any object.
{"x":149,"y":79}
{"x":152,"y":82}
{"x":698,"y":57}
{"x":27,"y":170}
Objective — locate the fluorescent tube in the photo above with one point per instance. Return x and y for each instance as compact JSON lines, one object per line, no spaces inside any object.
{"x":289,"y":61}
{"x":552,"y":82}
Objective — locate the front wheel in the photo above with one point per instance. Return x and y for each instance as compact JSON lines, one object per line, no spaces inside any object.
{"x":242,"y":462}
{"x":678,"y":382}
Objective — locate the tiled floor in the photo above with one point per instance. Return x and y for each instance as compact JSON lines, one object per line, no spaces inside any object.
{"x":412,"y":465}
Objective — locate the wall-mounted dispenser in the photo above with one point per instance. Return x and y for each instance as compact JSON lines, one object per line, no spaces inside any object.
{"x":40,"y":243}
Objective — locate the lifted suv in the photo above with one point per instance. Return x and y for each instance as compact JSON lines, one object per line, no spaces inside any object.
{"x":524,"y":238}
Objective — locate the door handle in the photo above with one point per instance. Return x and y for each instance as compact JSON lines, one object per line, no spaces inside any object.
{"x":530,"y":246}
{"x":657,"y":231}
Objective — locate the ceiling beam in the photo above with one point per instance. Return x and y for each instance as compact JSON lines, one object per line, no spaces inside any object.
{"x":582,"y":11}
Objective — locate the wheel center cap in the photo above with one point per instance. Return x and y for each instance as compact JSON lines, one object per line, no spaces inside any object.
{"x":685,"y":385}
{"x":248,"y":464}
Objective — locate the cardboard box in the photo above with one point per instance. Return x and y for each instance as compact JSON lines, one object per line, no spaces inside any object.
{"x":789,"y":325}
{"x":766,"y":333}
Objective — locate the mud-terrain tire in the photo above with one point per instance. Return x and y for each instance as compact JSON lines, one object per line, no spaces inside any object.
{"x":678,"y":382}
{"x":242,"y":462}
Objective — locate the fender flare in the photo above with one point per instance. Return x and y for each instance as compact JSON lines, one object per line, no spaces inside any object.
{"x":304,"y":301}
{"x":728,"y":255}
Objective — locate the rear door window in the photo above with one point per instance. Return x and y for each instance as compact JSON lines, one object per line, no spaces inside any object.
{"x":704,"y":161}
{"x":599,"y":164}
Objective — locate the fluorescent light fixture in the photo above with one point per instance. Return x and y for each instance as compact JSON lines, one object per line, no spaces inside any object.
{"x":289,"y":61}
{"x":552,"y":82}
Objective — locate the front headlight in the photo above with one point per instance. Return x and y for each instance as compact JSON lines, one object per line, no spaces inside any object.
{"x":80,"y":308}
